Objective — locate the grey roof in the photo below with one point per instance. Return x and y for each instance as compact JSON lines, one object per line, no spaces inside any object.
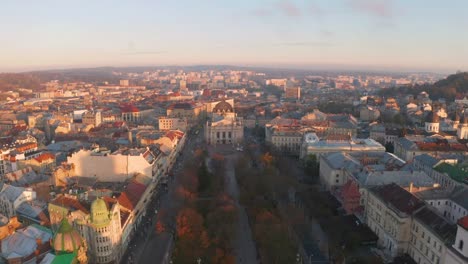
{"x":354,"y":160}
{"x":426,"y":160}
{"x":402,"y":178}
{"x":406,"y":143}
{"x":460,"y":196}
{"x":437,"y":224}
{"x":31,"y":210}
{"x":11,"y":192}
{"x":23,"y":242}
{"x":340,"y":160}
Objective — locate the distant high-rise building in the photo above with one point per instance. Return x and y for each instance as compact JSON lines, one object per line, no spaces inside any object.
{"x":124,"y":83}
{"x":183,"y":85}
{"x":293,"y":93}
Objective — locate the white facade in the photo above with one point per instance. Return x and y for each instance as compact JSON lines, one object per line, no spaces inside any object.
{"x":458,"y":253}
{"x":432,"y":127}
{"x":313,"y":145}
{"x":462,"y":131}
{"x":168,"y":123}
{"x":112,"y":167}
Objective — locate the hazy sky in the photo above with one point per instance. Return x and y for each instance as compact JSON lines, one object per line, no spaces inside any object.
{"x":361,"y":34}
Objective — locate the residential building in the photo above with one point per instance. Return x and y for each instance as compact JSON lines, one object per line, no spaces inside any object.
{"x":168,"y":123}
{"x":93,"y":118}
{"x":312,"y":144}
{"x":120,"y":165}
{"x":293,"y":93}
{"x":389,"y":214}
{"x":458,"y":252}
{"x":431,"y":234}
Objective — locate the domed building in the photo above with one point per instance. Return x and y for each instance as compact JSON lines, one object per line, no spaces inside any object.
{"x":98,"y":230}
{"x":68,"y":245}
{"x":104,"y":231}
{"x":67,"y":239}
{"x":222,"y":108}
{"x":224,"y":127}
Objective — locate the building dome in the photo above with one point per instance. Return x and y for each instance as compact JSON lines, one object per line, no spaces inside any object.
{"x":99,"y":213}
{"x":223,"y":107}
{"x":66,"y":239}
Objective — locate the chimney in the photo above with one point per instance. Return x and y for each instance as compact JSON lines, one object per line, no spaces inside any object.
{"x":411,"y":186}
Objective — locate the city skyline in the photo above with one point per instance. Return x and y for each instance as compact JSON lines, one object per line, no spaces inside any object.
{"x":346,"y":34}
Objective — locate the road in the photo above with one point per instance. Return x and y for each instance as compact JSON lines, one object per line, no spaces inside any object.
{"x":148,"y":246}
{"x":244,"y":246}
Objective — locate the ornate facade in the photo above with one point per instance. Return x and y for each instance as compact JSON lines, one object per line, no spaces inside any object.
{"x":224,"y":127}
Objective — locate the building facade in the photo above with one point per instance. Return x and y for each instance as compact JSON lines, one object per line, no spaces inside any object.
{"x":224,"y":127}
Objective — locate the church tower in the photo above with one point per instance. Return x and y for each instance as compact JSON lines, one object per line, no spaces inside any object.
{"x":462,"y":131}
{"x":432,"y":122}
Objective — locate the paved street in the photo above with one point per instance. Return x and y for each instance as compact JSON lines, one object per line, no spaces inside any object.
{"x":147,"y":246}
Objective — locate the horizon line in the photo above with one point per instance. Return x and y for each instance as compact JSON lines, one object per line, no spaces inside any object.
{"x":312,"y":68}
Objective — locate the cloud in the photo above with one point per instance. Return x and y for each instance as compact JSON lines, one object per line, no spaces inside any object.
{"x":378,"y":8}
{"x":307,"y":44}
{"x":288,"y":8}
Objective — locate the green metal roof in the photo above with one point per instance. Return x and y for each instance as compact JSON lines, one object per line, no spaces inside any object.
{"x":455,"y":172}
{"x":65,"y":259}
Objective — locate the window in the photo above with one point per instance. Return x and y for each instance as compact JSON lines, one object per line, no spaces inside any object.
{"x":460,"y":245}
{"x":423,"y":235}
{"x":337,"y":180}
{"x":428,"y":239}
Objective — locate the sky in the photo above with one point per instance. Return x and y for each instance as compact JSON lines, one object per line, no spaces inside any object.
{"x":397,"y":35}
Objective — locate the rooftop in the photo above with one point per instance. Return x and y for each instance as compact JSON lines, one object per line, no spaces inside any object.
{"x":443,"y":229}
{"x":456,"y":172}
{"x":397,"y":198}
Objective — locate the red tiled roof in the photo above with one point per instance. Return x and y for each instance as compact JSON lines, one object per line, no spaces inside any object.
{"x":463,"y":222}
{"x":129,"y":108}
{"x":44,"y":157}
{"x":441,"y":146}
{"x":350,"y":190}
{"x":174,"y":134}
{"x":132,"y":194}
{"x":70,"y":203}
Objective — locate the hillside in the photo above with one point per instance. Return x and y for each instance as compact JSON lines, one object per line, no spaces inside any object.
{"x":448,"y":88}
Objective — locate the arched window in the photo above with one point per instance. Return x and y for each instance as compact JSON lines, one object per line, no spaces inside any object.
{"x":460,"y":245}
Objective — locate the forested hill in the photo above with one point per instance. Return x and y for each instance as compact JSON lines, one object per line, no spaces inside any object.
{"x":448,"y":88}
{"x":33,"y":80}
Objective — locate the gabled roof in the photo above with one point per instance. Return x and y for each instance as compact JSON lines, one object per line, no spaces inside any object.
{"x":44,"y":157}
{"x":70,"y":203}
{"x":439,"y":226}
{"x":397,"y":198}
{"x":132,"y":194}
